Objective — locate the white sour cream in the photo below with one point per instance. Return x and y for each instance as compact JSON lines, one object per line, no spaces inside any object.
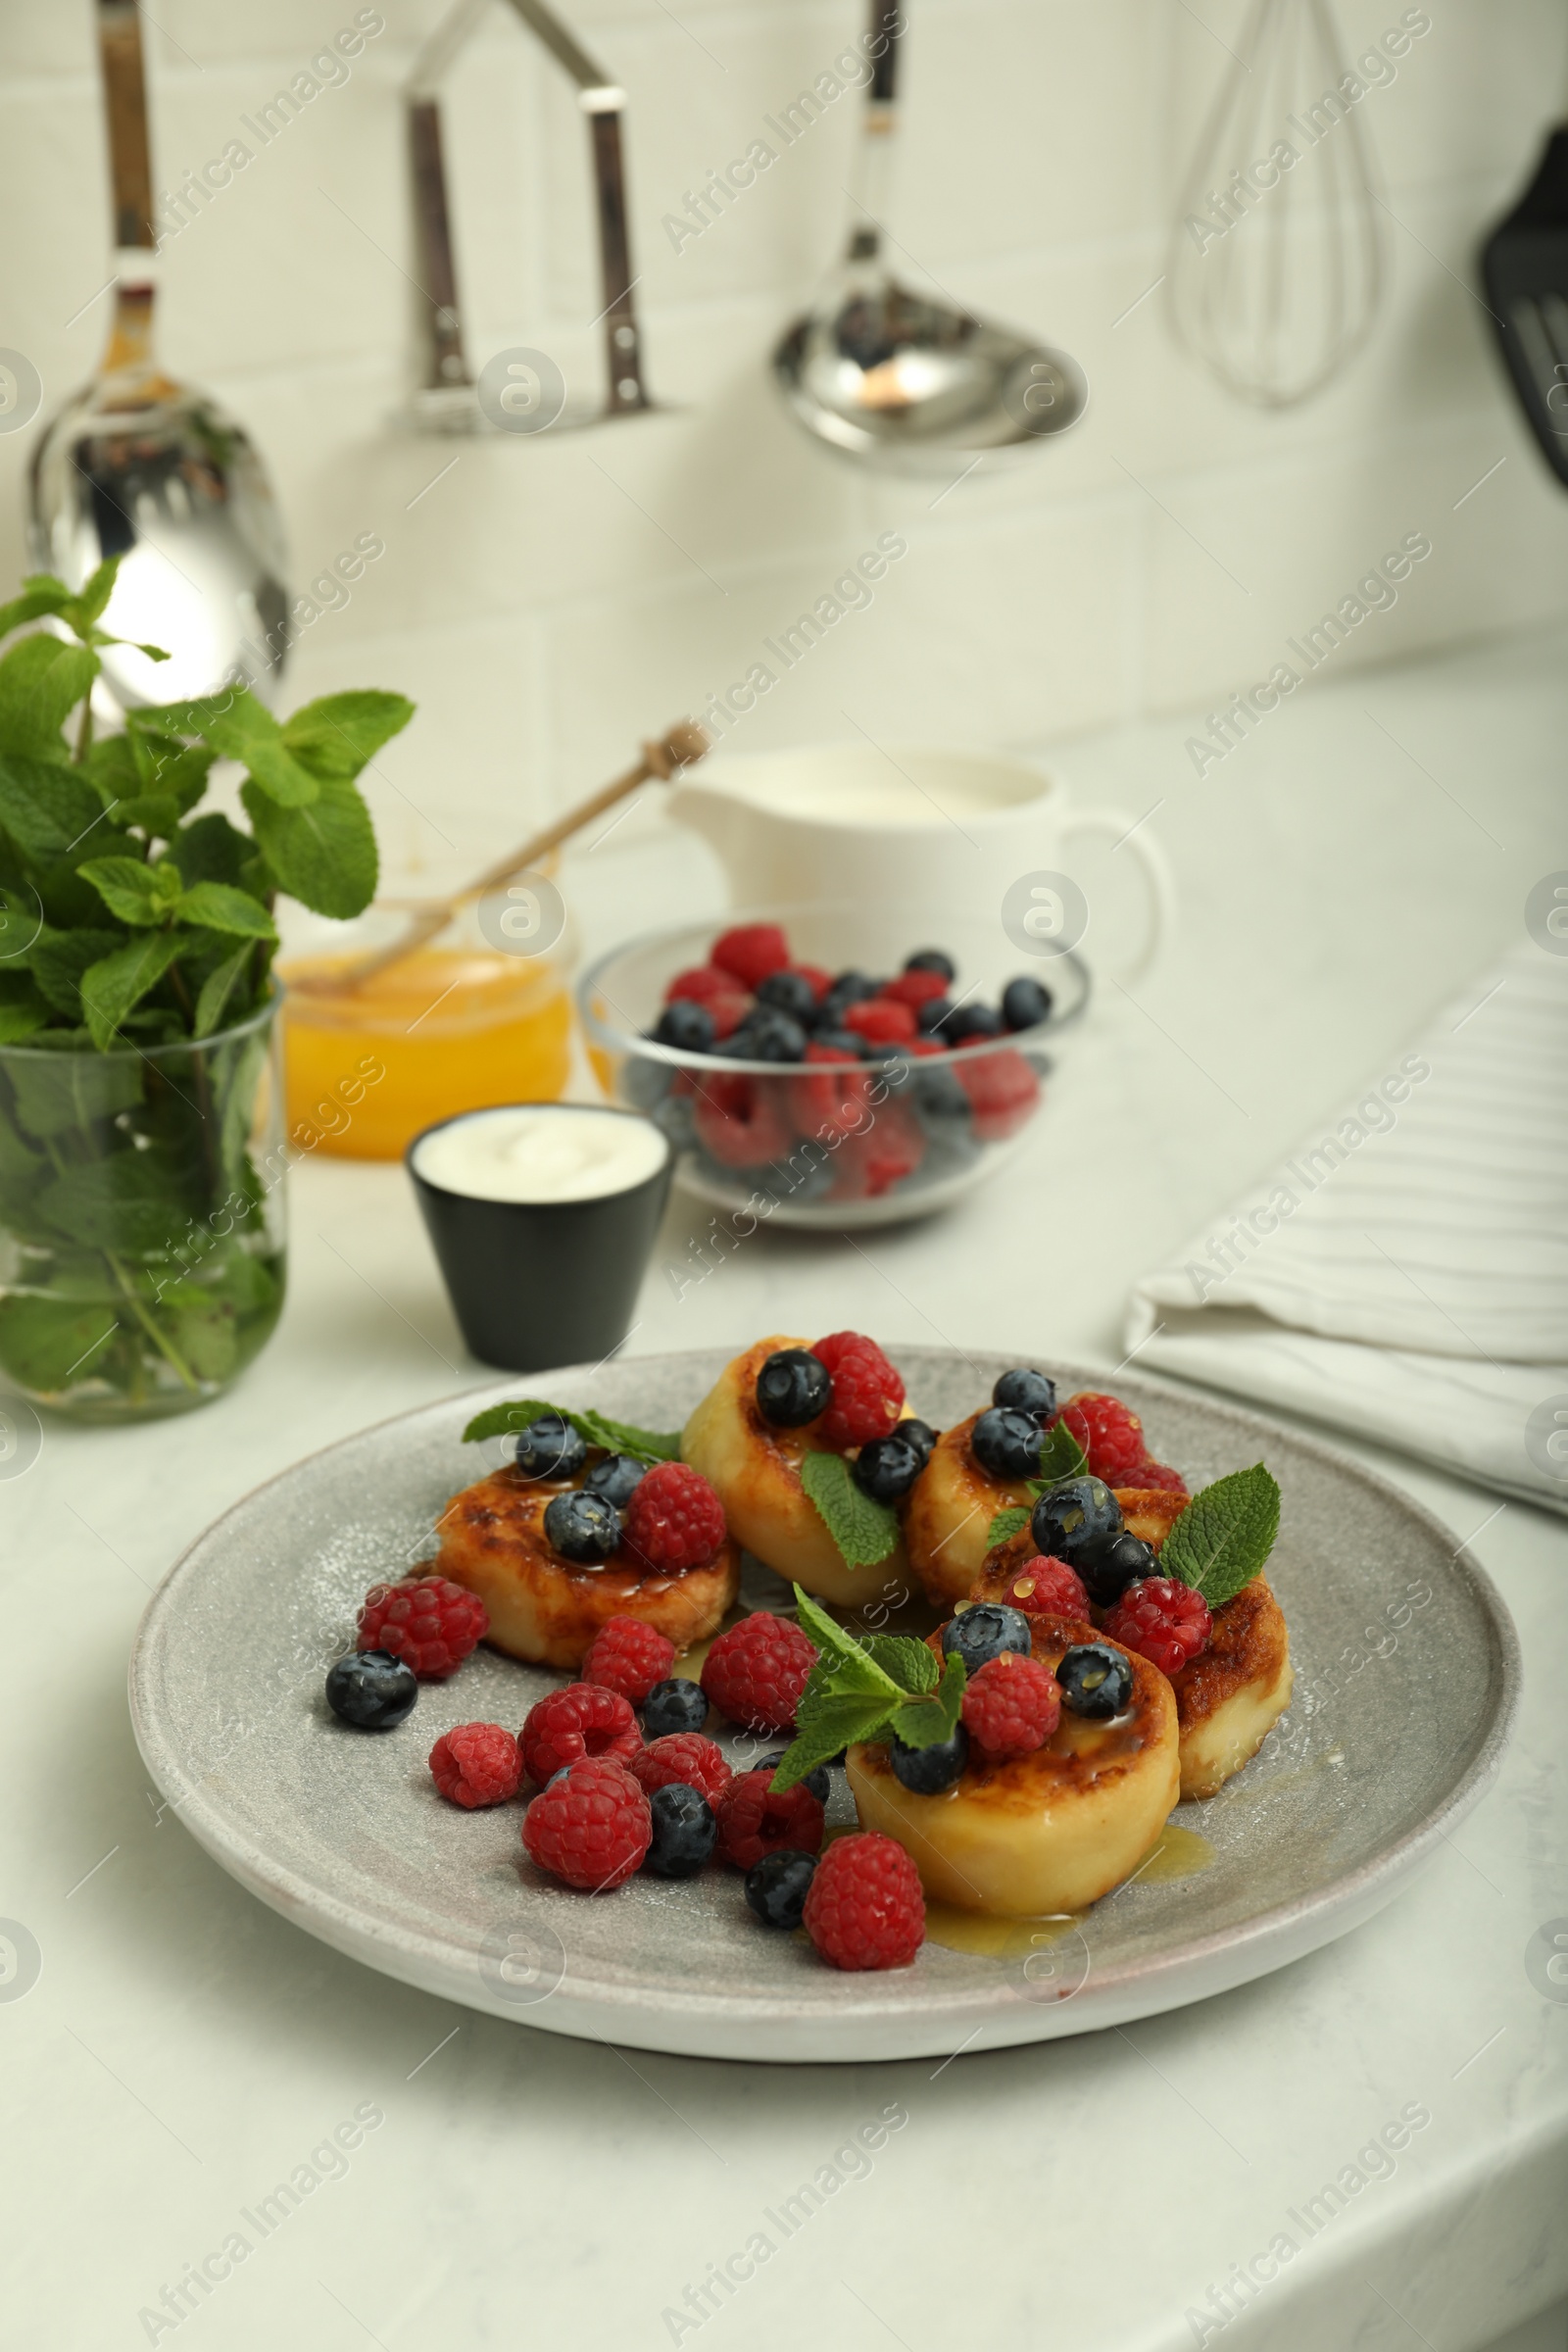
{"x":525,"y":1153}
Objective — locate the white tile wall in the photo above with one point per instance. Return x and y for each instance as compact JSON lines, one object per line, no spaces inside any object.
{"x":550,"y":602}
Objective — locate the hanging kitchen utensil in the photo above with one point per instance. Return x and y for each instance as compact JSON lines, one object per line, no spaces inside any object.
{"x":1524,"y":268}
{"x":530,"y":395}
{"x":903,"y":382}
{"x":1275,"y":269}
{"x":141,"y":467}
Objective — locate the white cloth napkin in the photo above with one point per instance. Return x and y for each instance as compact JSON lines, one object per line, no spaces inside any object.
{"x":1405,"y":1274}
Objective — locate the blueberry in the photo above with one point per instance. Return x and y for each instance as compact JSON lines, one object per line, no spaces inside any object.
{"x":1095,"y":1680}
{"x":853,"y":988}
{"x":776,"y":1889}
{"x":550,"y":1447}
{"x":1022,"y":1390}
{"x":931,"y":960}
{"x":371,"y":1689}
{"x":675,"y":1115}
{"x":941,"y":1104}
{"x":921,"y":1435}
{"x":972,"y":1021}
{"x":645,"y":1084}
{"x":675,"y":1705}
{"x":985,"y":1632}
{"x":1024,"y":1003}
{"x":685,"y":1025}
{"x":930,"y":1016}
{"x":817,"y":1779}
{"x":684,"y":1831}
{"x":792,"y":1387}
{"x":788,"y":991}
{"x":1113,"y":1566}
{"x":766,"y":1035}
{"x":887,"y":1467}
{"x":892,"y":1060}
{"x":842,"y":1041}
{"x":1006,"y":1443}
{"x":616,"y":1479}
{"x":927,"y":1770}
{"x":582,"y":1526}
{"x":1074,"y":1520}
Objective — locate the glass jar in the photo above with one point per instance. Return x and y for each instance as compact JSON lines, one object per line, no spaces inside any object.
{"x":141,"y":1219}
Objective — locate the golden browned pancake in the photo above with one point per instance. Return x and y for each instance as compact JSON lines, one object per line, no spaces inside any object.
{"x":1230,"y":1698}
{"x":1150,"y":1512}
{"x":1048,"y":1833}
{"x":755,"y":1470}
{"x":946,"y":1519}
{"x":1227,"y":1701}
{"x":547,"y":1609}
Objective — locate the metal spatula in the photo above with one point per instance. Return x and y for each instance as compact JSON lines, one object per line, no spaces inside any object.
{"x":1524,"y":268}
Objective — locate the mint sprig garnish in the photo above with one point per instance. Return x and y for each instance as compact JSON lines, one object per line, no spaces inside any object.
{"x":883,"y":1687}
{"x":1224,"y":1535}
{"x":865,"y":1531}
{"x":595,"y":1429}
{"x":1060,"y":1457}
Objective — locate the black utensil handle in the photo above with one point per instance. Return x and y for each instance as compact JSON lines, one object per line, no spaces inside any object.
{"x":887,"y":25}
{"x":125,"y":107}
{"x":622,"y":345}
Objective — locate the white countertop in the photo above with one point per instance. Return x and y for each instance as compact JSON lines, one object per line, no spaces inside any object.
{"x":184,"y":2050}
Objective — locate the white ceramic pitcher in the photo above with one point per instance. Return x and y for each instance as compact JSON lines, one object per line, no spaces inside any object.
{"x":975,"y":829}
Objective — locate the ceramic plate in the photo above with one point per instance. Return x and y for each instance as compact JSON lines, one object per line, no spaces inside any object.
{"x":1406,"y":1679}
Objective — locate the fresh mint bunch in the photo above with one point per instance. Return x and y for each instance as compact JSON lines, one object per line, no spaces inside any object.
{"x":1224,"y":1535}
{"x":145,"y":921}
{"x":882,"y":1687}
{"x":595,"y":1429}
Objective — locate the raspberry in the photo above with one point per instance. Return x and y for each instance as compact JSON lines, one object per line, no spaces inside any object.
{"x":1166,"y":1622}
{"x":683,"y":1756}
{"x":1002,"y":1091}
{"x":750,"y":951}
{"x":701,"y":984}
{"x":753,"y":1822}
{"x":864,"y":1908}
{"x":592,"y":1827}
{"x":1047,"y":1588}
{"x":755,"y":1673}
{"x":584,"y":1720}
{"x":674,"y":1521}
{"x":915,"y":988}
{"x":839,"y":1103}
{"x":739,"y":1121}
{"x":477,"y":1764}
{"x":426,"y":1620}
{"x":1157,"y":1474}
{"x":629,"y":1657}
{"x":866,"y":1391}
{"x":881,"y":1021}
{"x":869,"y":1165}
{"x":1012,"y":1706}
{"x":1110,"y":1433}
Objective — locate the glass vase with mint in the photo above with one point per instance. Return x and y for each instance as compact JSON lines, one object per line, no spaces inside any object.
{"x":141,"y":1144}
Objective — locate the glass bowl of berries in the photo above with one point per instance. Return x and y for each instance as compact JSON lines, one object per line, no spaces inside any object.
{"x":831,"y":1065}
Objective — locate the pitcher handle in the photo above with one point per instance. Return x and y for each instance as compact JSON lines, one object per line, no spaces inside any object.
{"x":1156,"y":875}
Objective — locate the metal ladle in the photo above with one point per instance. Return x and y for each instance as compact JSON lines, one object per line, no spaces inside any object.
{"x":899,"y":381}
{"x":152,"y":471}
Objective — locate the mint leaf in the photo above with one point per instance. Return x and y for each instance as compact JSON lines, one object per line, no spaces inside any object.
{"x":128,"y":887}
{"x":216,"y":989}
{"x":865,"y":1531}
{"x":909,"y":1662}
{"x":244,"y":729}
{"x":1061,"y":1456}
{"x":41,"y":681}
{"x":924,"y":1722}
{"x":41,"y":593}
{"x":88,"y":602}
{"x":117,"y":984}
{"x":835,"y":1723}
{"x":216,"y":907}
{"x":324,"y":855}
{"x":843,"y":1664}
{"x":335,"y":736}
{"x":1224,"y":1535}
{"x":595,"y":1429}
{"x":1008,"y":1524}
{"x":45,"y":804}
{"x":57,"y":960}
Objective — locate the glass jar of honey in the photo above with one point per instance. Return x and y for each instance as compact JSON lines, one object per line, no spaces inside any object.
{"x":457,"y":1025}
